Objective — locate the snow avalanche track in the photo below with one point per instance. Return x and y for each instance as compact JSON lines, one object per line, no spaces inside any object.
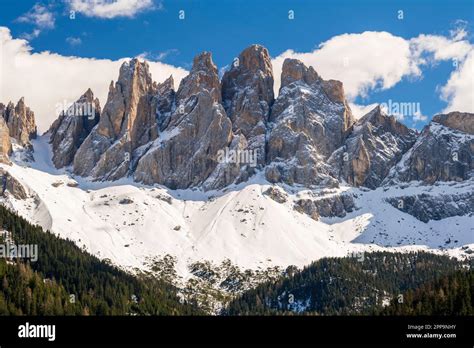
{"x":132,"y":224}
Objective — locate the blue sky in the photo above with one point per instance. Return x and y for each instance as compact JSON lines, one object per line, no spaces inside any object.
{"x":225,"y":27}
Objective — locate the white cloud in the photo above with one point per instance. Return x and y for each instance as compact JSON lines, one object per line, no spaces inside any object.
{"x":33,"y":35}
{"x":74,"y":41}
{"x":428,"y":49}
{"x":111,"y":8}
{"x":47,"y":79}
{"x":41,"y":17}
{"x":374,"y":60}
{"x":362,"y":62}
{"x":460,"y":30}
{"x":419,"y":117}
{"x":459,"y":90}
{"x":159,"y":56}
{"x":379,"y":60}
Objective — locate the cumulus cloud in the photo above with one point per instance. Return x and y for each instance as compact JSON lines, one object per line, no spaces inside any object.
{"x":369,"y":61}
{"x":47,"y":80}
{"x":362,"y":62}
{"x":429,"y":49}
{"x":111,"y":8}
{"x":41,"y":17}
{"x":459,"y":90}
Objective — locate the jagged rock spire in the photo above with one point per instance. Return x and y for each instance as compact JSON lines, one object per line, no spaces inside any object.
{"x":461,"y":121}
{"x":5,"y":143}
{"x":72,"y":127}
{"x":377,"y":143}
{"x":21,"y":124}
{"x":247,"y":95}
{"x":294,"y":70}
{"x":310,"y":120}
{"x":186,"y":153}
{"x":203,"y":76}
{"x":443,"y":152}
{"x":177,"y":138}
{"x":128,"y":121}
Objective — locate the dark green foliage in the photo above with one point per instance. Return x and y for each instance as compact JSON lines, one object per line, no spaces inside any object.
{"x":23,"y":291}
{"x":62,"y":269}
{"x":451,"y":295}
{"x":344,"y":286}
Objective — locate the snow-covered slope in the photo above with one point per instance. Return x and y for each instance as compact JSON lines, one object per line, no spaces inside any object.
{"x":133,"y":224}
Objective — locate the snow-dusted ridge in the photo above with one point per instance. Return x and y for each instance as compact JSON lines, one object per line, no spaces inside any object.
{"x":132,"y":224}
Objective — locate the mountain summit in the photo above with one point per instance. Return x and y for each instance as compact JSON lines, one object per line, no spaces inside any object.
{"x":219,"y":173}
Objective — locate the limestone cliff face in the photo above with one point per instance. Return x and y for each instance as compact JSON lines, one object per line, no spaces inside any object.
{"x":164,"y":102}
{"x":247,"y":96}
{"x":375,"y":145}
{"x":443,"y":152}
{"x":310,"y":120}
{"x":20,"y":120}
{"x":211,"y":133}
{"x":72,"y":127}
{"x":5,"y":143}
{"x":461,"y":121}
{"x":127,"y":122}
{"x":186,"y":152}
{"x":202,"y":78}
{"x":11,"y":185}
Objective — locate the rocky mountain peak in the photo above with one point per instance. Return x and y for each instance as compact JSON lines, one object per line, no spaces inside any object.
{"x":127,"y":122}
{"x":462,"y":121}
{"x":20,"y":120}
{"x":165,"y":85}
{"x":186,"y":152}
{"x":72,"y":127}
{"x":5,"y":143}
{"x":255,"y":58}
{"x":203,"y":76}
{"x":247,"y":95}
{"x":88,"y":95}
{"x":295,"y":70}
{"x":309,"y":122}
{"x":443,"y":152}
{"x":164,"y":101}
{"x":135,"y":70}
{"x":253,"y":70}
{"x":203,"y":62}
{"x":188,"y":138}
{"x":334,"y":90}
{"x":378,"y":118}
{"x":376,"y":143}
{"x":119,"y":114}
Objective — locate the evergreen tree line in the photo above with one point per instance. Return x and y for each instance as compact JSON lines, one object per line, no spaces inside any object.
{"x":66,"y":280}
{"x":348,"y":286}
{"x":451,"y":295}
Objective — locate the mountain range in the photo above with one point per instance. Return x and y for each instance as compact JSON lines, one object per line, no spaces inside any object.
{"x":222,"y":169}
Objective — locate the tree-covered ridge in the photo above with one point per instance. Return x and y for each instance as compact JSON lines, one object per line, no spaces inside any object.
{"x":24,"y":291}
{"x":345,"y":286}
{"x":63,"y":269}
{"x":451,"y":295}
